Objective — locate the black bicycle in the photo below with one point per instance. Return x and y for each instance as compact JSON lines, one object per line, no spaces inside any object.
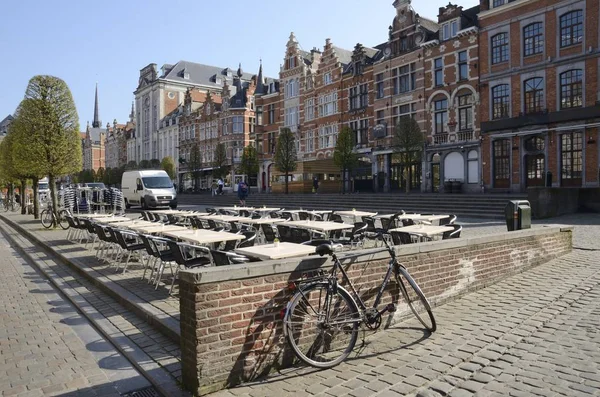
{"x":322,"y":310}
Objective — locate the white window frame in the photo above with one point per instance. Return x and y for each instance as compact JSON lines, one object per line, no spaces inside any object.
{"x":450,"y":29}
{"x":327,"y":78}
{"x":309,"y":109}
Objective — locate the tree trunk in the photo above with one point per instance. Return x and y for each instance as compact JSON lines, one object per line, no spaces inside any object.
{"x":343,"y":180}
{"x":36,"y":199}
{"x":22,"y":189}
{"x":52,"y":186}
{"x":407,"y":180}
{"x":286,"y":183}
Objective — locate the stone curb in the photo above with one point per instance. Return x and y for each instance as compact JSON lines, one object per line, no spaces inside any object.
{"x":167,"y":326}
{"x":157,"y":376}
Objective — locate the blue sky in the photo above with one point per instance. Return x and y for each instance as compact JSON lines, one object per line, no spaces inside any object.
{"x":108,"y":41}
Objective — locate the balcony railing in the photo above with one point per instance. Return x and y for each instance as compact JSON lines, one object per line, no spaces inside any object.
{"x":439,"y":139}
{"x":463,"y":136}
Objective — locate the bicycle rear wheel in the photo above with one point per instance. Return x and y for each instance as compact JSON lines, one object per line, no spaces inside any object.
{"x":415,"y":299}
{"x":47,"y":218}
{"x":16,"y":206}
{"x":62,"y":219}
{"x":322,"y":326}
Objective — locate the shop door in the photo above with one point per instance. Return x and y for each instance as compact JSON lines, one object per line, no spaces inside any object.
{"x":435,"y":177}
{"x":534,"y":169}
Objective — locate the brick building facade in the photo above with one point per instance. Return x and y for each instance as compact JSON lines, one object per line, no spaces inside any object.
{"x":539,"y":93}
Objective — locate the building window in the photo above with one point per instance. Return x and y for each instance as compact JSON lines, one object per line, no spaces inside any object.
{"x":501,"y":159}
{"x":572,"y":155}
{"x":534,"y":95}
{"x":571,"y":89}
{"x":380,"y":117}
{"x":224,"y":128}
{"x":449,"y":30}
{"x":571,"y":28}
{"x":310,"y":141}
{"x":463,"y":66}
{"x":358,"y":97}
{"x":500,"y":101}
{"x":291,"y":118}
{"x":291,"y":62}
{"x":309,"y":83}
{"x":404,"y":79}
{"x":361,"y":131}
{"x":441,"y":116}
{"x":500,"y":48}
{"x":498,"y":3}
{"x":238,"y":124}
{"x":271,"y":142}
{"x":408,"y":110}
{"x":309,"y":109}
{"x":327,"y":78}
{"x":379,"y":86}
{"x":465,"y":112}
{"x":438,"y":65}
{"x":533,"y":36}
{"x":328,"y":104}
{"x":358,"y":68}
{"x":272,"y":114}
{"x":327,"y":136}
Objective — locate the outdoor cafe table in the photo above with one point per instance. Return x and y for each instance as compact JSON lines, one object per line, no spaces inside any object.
{"x":355,"y":214}
{"x":204,"y":236}
{"x":225,"y":218}
{"x":94,"y":216}
{"x":154,"y":228}
{"x":281,"y":251}
{"x":112,"y":219}
{"x":259,"y":209}
{"x":323,"y":226}
{"x":166,"y":212}
{"x":131,"y":222}
{"x":428,"y":231}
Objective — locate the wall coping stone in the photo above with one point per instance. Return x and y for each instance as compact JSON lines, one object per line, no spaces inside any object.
{"x":255,"y":269}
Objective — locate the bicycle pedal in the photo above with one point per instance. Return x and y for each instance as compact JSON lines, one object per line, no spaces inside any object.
{"x":391,"y":308}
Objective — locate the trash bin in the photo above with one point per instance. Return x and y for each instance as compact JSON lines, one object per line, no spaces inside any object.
{"x":548,"y":179}
{"x":447,"y":186}
{"x":518,"y":215}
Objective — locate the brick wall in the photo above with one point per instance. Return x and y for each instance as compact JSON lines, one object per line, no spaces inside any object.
{"x":231,"y":329}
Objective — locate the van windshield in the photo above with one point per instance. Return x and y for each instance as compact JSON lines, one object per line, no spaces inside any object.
{"x":43,"y":186}
{"x":157,"y":182}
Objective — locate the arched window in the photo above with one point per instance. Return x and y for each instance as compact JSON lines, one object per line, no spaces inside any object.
{"x":571,"y":28}
{"x":533,"y":39}
{"x":535,"y":144}
{"x":500,"y":101}
{"x":499,"y":48}
{"x":571,"y":89}
{"x":534,"y":95}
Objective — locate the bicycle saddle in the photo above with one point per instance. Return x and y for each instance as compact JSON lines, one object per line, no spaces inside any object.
{"x":324,"y":249}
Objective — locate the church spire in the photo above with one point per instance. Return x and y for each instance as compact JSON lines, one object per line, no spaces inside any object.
{"x":260,"y":82}
{"x":96,"y":122}
{"x":132,"y":114}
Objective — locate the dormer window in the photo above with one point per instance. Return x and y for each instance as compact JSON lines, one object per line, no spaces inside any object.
{"x":449,"y":29}
{"x":292,"y":62}
{"x":358,"y":68}
{"x":327,"y":78}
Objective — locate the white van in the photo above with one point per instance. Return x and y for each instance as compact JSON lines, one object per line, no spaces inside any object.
{"x":43,"y":189}
{"x":149,"y":188}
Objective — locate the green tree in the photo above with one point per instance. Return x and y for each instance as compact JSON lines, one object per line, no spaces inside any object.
{"x":249,"y":162}
{"x":155,"y":164}
{"x":132,"y":165}
{"x":7,"y":174}
{"x":344,"y":155}
{"x":220,"y":162}
{"x":408,"y":144}
{"x":286,"y":159}
{"x":144,"y":165}
{"x":49,"y":112}
{"x":107,"y":177}
{"x":195,"y":164}
{"x":168,"y":165}
{"x":100,"y":174}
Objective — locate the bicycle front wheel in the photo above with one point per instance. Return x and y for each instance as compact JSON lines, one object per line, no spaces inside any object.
{"x":321,"y":325}
{"x":16,"y":206}
{"x":62,"y":219}
{"x":47,"y":218}
{"x":415,"y":299}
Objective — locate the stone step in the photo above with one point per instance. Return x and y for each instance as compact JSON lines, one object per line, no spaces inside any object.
{"x":156,"y":357}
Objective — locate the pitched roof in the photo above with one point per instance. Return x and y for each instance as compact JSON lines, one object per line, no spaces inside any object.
{"x":196,"y":73}
{"x":344,"y":56}
{"x":428,"y":24}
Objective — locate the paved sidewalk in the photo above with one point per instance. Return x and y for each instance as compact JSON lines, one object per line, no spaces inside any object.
{"x":532,"y":334}
{"x":46,"y":347}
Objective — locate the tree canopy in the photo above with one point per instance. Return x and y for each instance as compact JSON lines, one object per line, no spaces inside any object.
{"x":249,"y":162}
{"x":408,"y":144}
{"x":168,"y":165}
{"x":195,"y":164}
{"x":344,"y":155}
{"x":286,"y":159}
{"x":220,"y":162}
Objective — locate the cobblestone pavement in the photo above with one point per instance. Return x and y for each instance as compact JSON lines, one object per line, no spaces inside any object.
{"x":46,"y":347}
{"x":535,"y":333}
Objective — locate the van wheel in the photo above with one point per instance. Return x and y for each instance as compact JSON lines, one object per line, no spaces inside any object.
{"x":143,"y":202}
{"x":127,"y":205}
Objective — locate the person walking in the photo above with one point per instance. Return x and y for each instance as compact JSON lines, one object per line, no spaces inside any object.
{"x":243,"y":192}
{"x":214,"y":187}
{"x":220,"y":186}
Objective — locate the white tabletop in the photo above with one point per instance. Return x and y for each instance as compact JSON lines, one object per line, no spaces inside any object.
{"x":130,"y":222}
{"x":154,"y":228}
{"x":423,"y":230}
{"x":165,"y":212}
{"x":356,"y":213}
{"x":260,"y":221}
{"x":224,"y":218}
{"x":319,"y":225}
{"x":93,"y":216}
{"x":204,"y":236}
{"x":112,"y":219}
{"x":283,"y":250}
